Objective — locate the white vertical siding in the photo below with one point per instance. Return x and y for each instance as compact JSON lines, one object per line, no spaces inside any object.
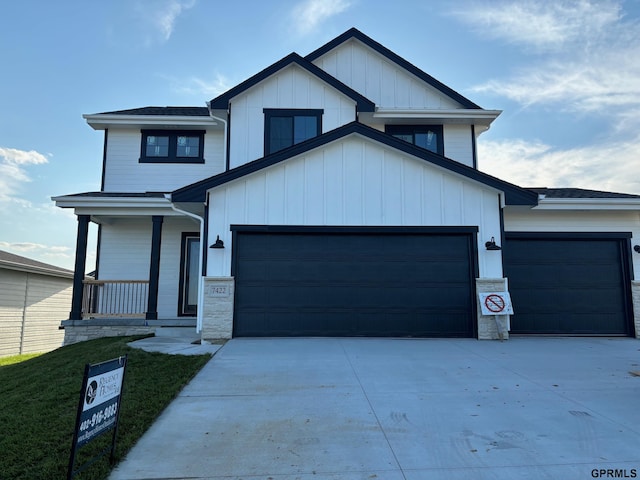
{"x":516,"y":220}
{"x":123,"y":173}
{"x":31,"y":309}
{"x":125,"y":254}
{"x":292,"y":87}
{"x":357,"y":182}
{"x":458,"y":143}
{"x":381,"y":81}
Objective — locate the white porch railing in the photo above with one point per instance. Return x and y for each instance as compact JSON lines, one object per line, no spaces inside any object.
{"x":114,"y":298}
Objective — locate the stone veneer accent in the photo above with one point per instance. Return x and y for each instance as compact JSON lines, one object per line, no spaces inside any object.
{"x":487,"y":327}
{"x":635,"y":295}
{"x":81,"y":330}
{"x":217,"y":315}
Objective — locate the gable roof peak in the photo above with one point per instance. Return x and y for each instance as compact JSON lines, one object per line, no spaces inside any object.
{"x":393,"y":57}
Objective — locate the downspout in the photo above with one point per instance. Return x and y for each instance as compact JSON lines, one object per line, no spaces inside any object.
{"x":202,"y":242}
{"x":225,"y":144}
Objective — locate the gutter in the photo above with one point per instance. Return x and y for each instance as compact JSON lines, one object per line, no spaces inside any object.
{"x":200,"y":260}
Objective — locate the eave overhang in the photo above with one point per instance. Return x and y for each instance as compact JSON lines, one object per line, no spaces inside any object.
{"x":546,"y":203}
{"x":102,"y":121}
{"x":99,"y":205}
{"x":462,"y":116}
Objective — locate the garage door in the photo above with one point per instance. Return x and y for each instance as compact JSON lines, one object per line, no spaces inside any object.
{"x":354,"y":284}
{"x":573,"y":284}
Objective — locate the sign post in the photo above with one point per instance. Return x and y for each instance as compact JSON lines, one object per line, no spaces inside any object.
{"x":499,"y":305}
{"x":99,"y":408}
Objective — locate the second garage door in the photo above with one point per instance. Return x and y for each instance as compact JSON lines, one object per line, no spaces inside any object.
{"x":569,"y":284}
{"x":354,"y":284}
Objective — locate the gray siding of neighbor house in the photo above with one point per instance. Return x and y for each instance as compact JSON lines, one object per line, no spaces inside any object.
{"x":31,"y":309}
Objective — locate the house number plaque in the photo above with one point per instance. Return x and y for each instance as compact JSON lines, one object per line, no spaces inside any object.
{"x":218,"y":290}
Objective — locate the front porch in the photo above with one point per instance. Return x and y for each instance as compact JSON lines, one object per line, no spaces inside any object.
{"x":147,"y":268}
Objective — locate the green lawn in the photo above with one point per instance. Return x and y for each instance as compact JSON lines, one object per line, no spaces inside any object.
{"x":39,"y":400}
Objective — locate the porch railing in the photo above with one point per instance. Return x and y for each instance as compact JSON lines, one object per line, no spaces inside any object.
{"x":114,"y":298}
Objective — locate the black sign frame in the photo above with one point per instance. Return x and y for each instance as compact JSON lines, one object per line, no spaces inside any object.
{"x":102,"y":384}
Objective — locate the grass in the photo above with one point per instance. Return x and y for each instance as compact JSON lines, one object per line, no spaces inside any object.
{"x":39,"y":400}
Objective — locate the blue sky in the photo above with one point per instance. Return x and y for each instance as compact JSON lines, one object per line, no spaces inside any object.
{"x":565,"y":73}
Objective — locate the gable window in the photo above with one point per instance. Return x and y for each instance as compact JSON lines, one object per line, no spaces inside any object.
{"x":284,"y":128}
{"x":172,"y":146}
{"x":428,"y":137}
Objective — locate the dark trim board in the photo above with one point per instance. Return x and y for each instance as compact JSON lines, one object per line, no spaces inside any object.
{"x":354,"y":281}
{"x":570,"y":283}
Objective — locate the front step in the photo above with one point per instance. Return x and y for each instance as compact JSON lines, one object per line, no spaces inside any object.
{"x":185,"y":333}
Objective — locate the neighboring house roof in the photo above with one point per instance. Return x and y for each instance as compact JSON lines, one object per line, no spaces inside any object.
{"x":579,"y":193}
{"x":384,"y":51}
{"x":24,"y":264}
{"x":167,"y":111}
{"x":363,"y":104}
{"x":514,"y":195}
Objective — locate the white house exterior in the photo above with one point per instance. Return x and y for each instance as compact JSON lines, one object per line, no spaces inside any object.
{"x":338,"y":194}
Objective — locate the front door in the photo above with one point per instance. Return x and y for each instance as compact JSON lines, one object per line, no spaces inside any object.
{"x":189,"y":264}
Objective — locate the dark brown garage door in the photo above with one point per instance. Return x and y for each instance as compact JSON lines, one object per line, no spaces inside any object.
{"x":340,"y":283}
{"x":571,"y":284}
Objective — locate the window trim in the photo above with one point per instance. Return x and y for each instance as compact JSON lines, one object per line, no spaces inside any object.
{"x":288,"y":112}
{"x":173,"y":144}
{"x":413,"y":129}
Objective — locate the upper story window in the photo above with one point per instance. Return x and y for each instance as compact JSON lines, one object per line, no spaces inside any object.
{"x":172,"y":146}
{"x":284,"y":128}
{"x":428,"y":137}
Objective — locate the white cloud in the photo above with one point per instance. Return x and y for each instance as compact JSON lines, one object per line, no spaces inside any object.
{"x":209,"y":88}
{"x":164,"y":17}
{"x":308,"y":15}
{"x":604,"y":167}
{"x":541,"y":24}
{"x":13,"y":172}
{"x":597,"y":68}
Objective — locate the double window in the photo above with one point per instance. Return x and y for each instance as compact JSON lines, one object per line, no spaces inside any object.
{"x":172,"y":146}
{"x":284,"y":128}
{"x":428,"y":137}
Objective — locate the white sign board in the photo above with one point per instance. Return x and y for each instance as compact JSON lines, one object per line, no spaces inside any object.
{"x":495,"y":303}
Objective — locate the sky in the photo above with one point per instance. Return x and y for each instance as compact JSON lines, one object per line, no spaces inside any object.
{"x":565,"y":73}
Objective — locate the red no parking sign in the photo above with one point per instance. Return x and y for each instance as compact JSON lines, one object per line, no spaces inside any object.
{"x":496,"y":303}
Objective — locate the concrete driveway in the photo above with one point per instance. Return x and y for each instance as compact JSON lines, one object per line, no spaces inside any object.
{"x":391,"y":409}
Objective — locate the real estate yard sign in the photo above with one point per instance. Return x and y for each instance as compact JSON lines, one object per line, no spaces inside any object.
{"x":99,"y":407}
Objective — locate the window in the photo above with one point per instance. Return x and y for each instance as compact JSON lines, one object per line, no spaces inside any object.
{"x":284,"y":128}
{"x":172,"y":146}
{"x":189,"y":265}
{"x":428,"y":137}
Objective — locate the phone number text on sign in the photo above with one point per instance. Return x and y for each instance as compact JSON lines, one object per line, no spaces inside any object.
{"x":98,"y":417}
{"x":97,"y":421}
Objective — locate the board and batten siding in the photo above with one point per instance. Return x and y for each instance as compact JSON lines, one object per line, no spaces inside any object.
{"x":123,"y":172}
{"x":353,"y":182}
{"x":291,"y":88}
{"x":126,"y":252}
{"x":575,"y":221}
{"x":31,"y":309}
{"x":458,"y":143}
{"x":380,"y":80}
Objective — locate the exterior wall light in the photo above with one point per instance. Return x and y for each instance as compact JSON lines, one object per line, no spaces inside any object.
{"x":218,"y":244}
{"x":636,"y":248}
{"x":491,"y":245}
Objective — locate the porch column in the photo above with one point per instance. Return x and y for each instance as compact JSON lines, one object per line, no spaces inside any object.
{"x":154,"y":268}
{"x":78,"y":270}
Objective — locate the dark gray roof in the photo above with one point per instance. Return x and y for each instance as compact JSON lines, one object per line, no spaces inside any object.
{"x":17,"y":262}
{"x":579,"y":193}
{"x":168,"y":111}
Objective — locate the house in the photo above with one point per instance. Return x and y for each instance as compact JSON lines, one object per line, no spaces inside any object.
{"x":34,"y":298}
{"x":339,"y":194}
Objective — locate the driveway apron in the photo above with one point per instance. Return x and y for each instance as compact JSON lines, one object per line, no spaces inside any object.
{"x":369,"y":408}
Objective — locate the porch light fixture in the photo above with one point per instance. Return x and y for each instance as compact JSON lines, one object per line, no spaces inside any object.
{"x":491,"y":245}
{"x":636,"y":248}
{"x":219,"y":243}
